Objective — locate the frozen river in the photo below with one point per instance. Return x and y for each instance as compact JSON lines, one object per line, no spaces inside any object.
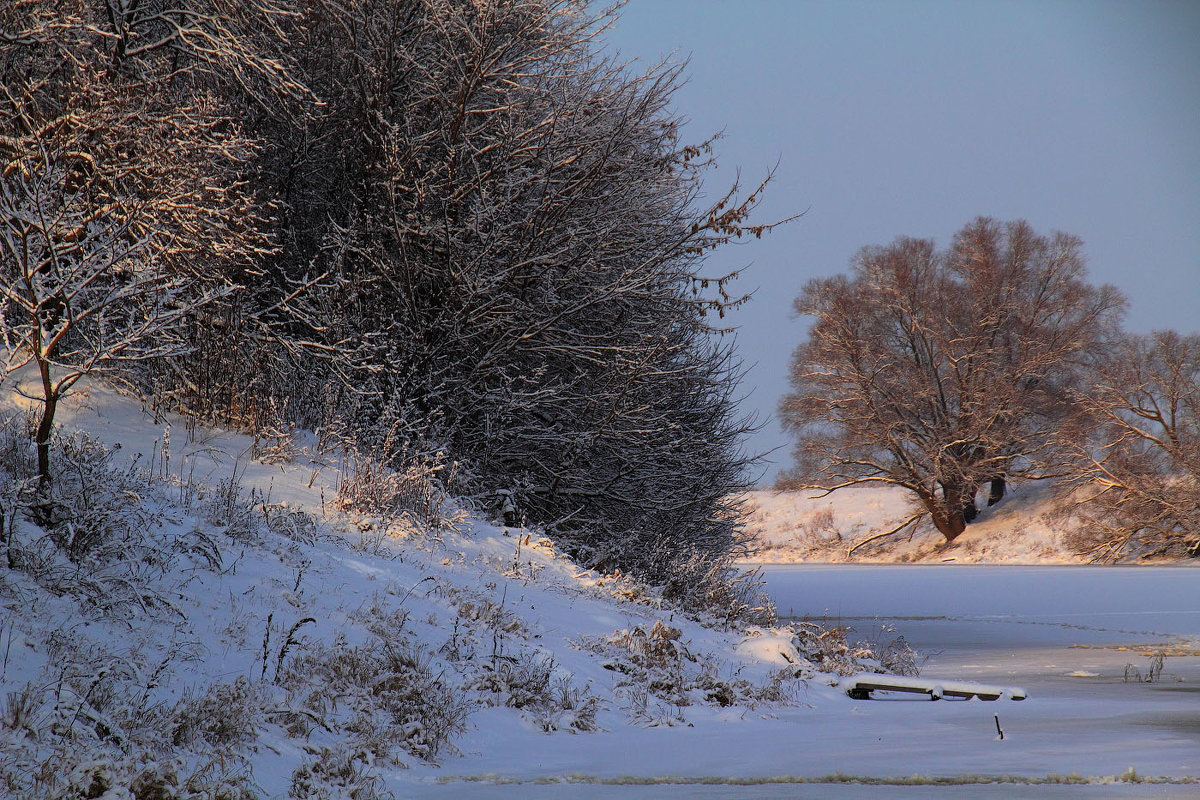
{"x":1012,"y":618}
{"x":1138,"y":599}
{"x":1081,"y":640}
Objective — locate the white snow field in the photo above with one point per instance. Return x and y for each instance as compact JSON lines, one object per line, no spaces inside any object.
{"x":563,"y":682}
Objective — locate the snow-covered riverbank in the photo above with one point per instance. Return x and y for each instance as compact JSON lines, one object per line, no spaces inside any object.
{"x":290,"y":649}
{"x":842,"y":527}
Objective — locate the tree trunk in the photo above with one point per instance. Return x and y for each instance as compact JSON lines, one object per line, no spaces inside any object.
{"x":946,"y":513}
{"x":996,"y":490}
{"x":970,"y":512}
{"x":42,"y":438}
{"x":949,"y":523}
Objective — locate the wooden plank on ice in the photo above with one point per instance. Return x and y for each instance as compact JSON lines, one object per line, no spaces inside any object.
{"x":860,"y":687}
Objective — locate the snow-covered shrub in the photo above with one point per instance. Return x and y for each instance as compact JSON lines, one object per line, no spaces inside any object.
{"x":88,"y":724}
{"x":382,"y":696}
{"x":16,"y":451}
{"x":91,"y":534}
{"x":714,"y":586}
{"x":654,"y":662}
{"x":898,"y":658}
{"x":564,"y":343}
{"x":829,"y":649}
{"x":227,"y":715}
{"x":18,"y":467}
{"x":570,"y":703}
{"x":226,"y":507}
{"x":291,"y":523}
{"x":242,"y":515}
{"x":274,"y":436}
{"x":780,"y":687}
{"x":92,"y":697}
{"x":522,"y":682}
{"x":484,"y":613}
{"x":18,"y":711}
{"x":482,"y":630}
{"x":71,"y":774}
{"x":95,"y":511}
{"x":410,"y":485}
{"x":120,"y":778}
{"x":547,"y":696}
{"x":44,"y":764}
{"x":335,"y":773}
{"x":658,"y":647}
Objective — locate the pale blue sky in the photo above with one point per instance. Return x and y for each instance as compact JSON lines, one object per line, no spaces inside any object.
{"x":911,"y":118}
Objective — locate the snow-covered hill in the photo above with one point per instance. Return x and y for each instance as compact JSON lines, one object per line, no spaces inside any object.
{"x":222,"y":627}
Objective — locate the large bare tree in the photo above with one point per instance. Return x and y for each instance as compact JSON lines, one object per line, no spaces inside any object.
{"x":1138,"y":492}
{"x":945,"y":372}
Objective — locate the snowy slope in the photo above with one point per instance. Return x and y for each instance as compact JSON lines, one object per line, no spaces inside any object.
{"x":259,"y":643}
{"x":249,"y":609}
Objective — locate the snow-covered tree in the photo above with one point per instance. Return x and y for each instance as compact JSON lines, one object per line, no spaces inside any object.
{"x":501,"y":236}
{"x":1139,"y":489}
{"x":945,"y":372}
{"x":121,"y":208}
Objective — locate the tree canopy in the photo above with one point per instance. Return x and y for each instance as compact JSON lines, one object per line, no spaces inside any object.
{"x":945,"y":371}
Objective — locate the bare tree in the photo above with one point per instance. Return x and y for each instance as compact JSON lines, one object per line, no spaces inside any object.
{"x":1139,"y":490}
{"x":943,"y":372}
{"x":122,"y":208}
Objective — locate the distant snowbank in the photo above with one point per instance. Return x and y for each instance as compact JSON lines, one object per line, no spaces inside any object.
{"x":795,"y":527}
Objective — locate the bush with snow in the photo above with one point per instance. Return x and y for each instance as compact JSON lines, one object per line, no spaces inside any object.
{"x":655,"y":662}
